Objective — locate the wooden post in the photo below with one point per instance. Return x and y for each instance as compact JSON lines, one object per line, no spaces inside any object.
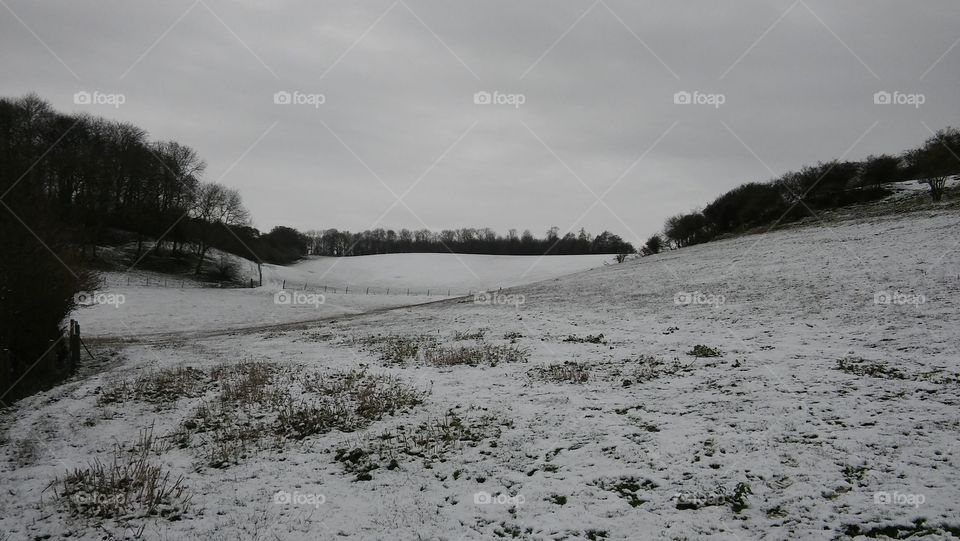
{"x":428,"y":292}
{"x":408,"y":291}
{"x":74,"y":343}
{"x":284,"y":286}
{"x":388,"y":291}
{"x":368,"y":291}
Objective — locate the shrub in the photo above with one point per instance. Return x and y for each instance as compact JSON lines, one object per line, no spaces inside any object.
{"x":566,"y":372}
{"x":130,"y":484}
{"x":701,"y":350}
{"x":161,"y":387}
{"x":490,"y":354}
{"x":589,"y":339}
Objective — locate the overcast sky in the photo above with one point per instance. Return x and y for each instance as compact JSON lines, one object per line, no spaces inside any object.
{"x":398,"y":78}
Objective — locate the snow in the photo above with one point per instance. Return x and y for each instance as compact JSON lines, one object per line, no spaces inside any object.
{"x":419,"y":272}
{"x":819,"y":448}
{"x":166,"y":307}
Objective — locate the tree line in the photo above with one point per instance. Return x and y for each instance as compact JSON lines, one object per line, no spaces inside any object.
{"x":799,"y":194}
{"x":333,"y":242}
{"x":72,"y":182}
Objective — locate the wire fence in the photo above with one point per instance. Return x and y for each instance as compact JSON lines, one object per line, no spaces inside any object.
{"x":153,"y":281}
{"x":289,"y":285}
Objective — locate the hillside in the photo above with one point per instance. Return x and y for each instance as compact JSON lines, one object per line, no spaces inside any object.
{"x":158,"y":303}
{"x":794,"y":403}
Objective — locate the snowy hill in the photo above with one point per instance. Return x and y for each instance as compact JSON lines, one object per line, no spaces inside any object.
{"x":797,"y":384}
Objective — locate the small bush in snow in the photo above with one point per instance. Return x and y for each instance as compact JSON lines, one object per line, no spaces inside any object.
{"x":467,"y":335}
{"x":861,"y":367}
{"x":162,"y":387}
{"x":566,"y":372}
{"x":260,"y":405}
{"x":397,"y":349}
{"x":701,"y":350}
{"x":589,"y":339}
{"x":129,"y":485}
{"x":488,"y":354}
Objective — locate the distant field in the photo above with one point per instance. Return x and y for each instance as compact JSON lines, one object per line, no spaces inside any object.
{"x":420,"y":272}
{"x":152,"y":309}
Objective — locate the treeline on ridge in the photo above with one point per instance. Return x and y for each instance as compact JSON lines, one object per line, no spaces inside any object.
{"x":332,"y":242}
{"x":800,"y":194}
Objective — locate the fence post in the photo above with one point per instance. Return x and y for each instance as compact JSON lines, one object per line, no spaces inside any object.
{"x":284,"y":286}
{"x":74,"y":343}
{"x":324,"y":289}
{"x":368,"y":291}
{"x":388,"y":291}
{"x":428,"y":292}
{"x":346,"y":290}
{"x":251,"y":283}
{"x":408,"y":291}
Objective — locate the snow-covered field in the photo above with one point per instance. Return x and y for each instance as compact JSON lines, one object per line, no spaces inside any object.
{"x":575,"y":404}
{"x":460,"y":273}
{"x":127,"y":308}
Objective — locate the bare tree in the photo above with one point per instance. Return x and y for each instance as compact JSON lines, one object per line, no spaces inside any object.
{"x":216,"y":205}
